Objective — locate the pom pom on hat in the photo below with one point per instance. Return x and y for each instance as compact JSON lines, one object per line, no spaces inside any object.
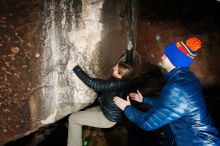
{"x":194,"y":43}
{"x":182,"y":54}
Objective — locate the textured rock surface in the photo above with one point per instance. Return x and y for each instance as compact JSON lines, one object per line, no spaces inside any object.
{"x":162,"y":22}
{"x":37,"y":39}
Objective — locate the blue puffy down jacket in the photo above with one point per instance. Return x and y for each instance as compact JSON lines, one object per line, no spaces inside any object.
{"x":182,"y":106}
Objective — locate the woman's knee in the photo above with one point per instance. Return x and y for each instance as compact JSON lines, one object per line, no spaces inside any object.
{"x":109,"y":124}
{"x":73,"y":118}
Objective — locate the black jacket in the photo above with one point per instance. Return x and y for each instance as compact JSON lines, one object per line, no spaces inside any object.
{"x":108,"y":88}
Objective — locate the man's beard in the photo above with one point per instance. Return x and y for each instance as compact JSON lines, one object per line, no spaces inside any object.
{"x":164,"y":71}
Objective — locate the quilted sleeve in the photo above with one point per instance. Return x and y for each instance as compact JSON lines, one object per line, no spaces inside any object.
{"x":171,"y":106}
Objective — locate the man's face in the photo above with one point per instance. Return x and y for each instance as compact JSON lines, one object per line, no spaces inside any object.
{"x":164,"y":62}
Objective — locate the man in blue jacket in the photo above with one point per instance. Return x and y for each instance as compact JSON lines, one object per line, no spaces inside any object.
{"x":181,"y":103}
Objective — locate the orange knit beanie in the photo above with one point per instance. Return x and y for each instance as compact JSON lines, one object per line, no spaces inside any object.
{"x":182,"y":54}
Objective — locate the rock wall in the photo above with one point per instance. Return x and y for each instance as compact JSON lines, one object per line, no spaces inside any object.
{"x":37,"y":39}
{"x":162,"y":22}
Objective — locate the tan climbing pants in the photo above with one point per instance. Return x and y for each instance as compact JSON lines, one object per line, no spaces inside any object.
{"x":91,"y":117}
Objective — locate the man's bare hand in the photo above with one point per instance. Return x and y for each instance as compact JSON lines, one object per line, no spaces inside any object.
{"x":136,"y":96}
{"x":121,"y":103}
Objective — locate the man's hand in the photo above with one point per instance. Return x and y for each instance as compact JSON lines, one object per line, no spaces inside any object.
{"x":121,"y":103}
{"x":129,"y":46}
{"x":136,"y":96}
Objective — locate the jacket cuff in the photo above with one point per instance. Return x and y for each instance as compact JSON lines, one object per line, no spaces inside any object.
{"x":76,"y":68}
{"x":145,"y":100}
{"x":128,"y":109}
